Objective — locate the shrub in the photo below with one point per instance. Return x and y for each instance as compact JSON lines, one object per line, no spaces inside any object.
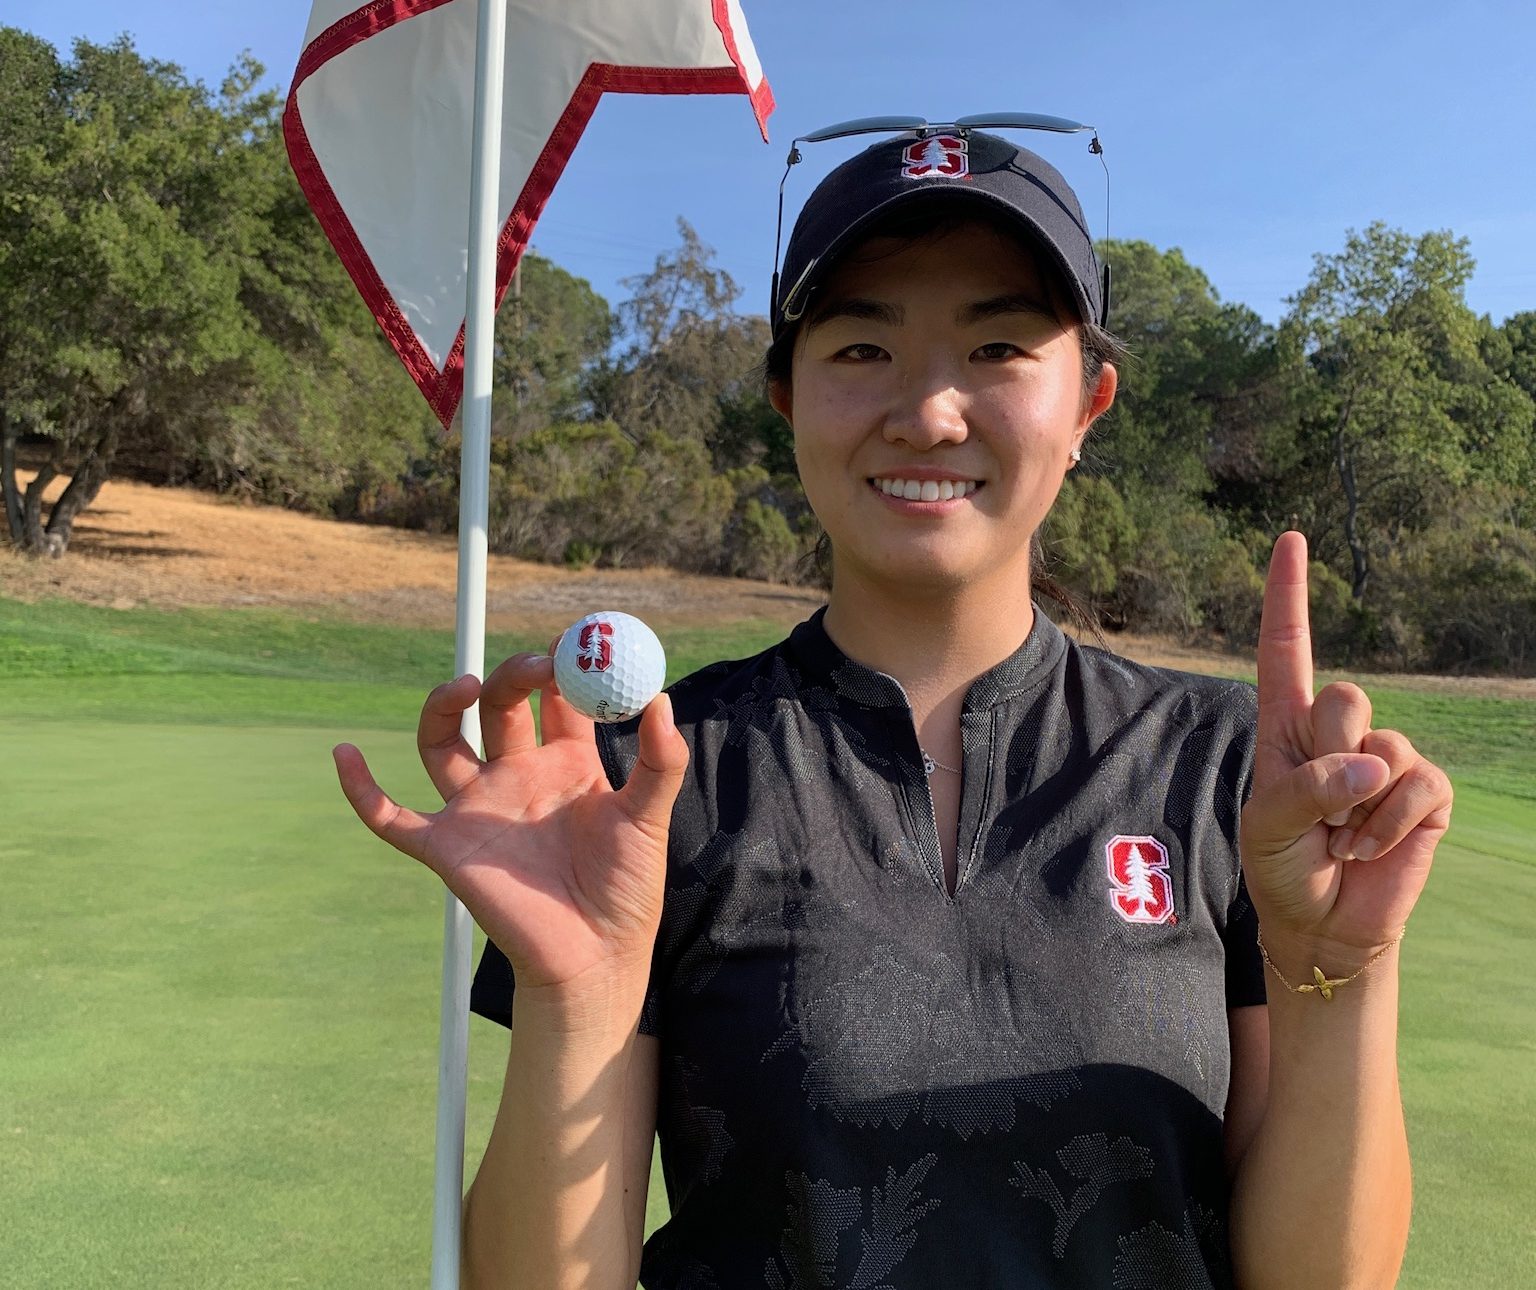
{"x":1089,"y":535}
{"x":761,"y":544}
{"x":590,"y":493}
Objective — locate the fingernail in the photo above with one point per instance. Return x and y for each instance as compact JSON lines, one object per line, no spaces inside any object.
{"x":1339,"y":844}
{"x":1367,"y":849}
{"x":1359,"y":776}
{"x":1337,"y":819}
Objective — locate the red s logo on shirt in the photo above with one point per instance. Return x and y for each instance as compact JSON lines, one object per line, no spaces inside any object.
{"x":1142,"y":891}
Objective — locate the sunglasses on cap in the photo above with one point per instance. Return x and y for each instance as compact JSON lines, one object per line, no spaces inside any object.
{"x":1018,"y":181}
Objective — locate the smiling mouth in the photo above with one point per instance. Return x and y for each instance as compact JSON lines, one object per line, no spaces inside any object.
{"x":925,"y":490}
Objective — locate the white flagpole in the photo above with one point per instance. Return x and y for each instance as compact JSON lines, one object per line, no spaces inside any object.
{"x":469,"y":653}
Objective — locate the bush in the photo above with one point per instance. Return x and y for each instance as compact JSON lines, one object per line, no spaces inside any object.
{"x":1231,"y":598}
{"x":1468,"y":591}
{"x":1341,"y":631}
{"x":1185,"y":574}
{"x":761,"y":545}
{"x":591,"y":494}
{"x":1090,"y":536}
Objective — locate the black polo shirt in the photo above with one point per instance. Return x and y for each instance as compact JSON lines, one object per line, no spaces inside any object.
{"x":867,"y":1082}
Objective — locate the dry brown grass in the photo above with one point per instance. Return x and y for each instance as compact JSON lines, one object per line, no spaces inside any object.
{"x":169,"y":547}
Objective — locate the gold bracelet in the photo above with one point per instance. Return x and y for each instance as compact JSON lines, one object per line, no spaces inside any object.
{"x":1324,"y":985}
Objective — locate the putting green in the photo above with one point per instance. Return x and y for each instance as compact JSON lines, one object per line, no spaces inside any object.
{"x":221,"y":1015}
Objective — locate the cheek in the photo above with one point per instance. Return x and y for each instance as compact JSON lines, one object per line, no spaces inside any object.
{"x":1037,"y":421}
{"x":827,"y":423}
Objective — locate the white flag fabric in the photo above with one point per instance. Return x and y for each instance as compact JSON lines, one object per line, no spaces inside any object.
{"x":379,"y":124}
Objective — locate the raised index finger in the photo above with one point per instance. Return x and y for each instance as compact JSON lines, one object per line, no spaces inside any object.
{"x":1285,"y":638}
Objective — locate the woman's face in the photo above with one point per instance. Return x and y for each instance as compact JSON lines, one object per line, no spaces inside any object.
{"x":936,"y":399}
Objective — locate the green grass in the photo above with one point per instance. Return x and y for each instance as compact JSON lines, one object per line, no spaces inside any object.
{"x":219,"y":1019}
{"x":63,"y":661}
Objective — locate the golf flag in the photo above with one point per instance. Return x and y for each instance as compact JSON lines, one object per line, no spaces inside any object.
{"x":378,"y":128}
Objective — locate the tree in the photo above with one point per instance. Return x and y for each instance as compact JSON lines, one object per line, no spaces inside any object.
{"x":1402,"y":406}
{"x":1519,"y":332}
{"x":689,"y":353}
{"x":183,"y":317}
{"x":1165,"y":310}
{"x":123,"y":246}
{"x":31,"y":112}
{"x":547,"y":341}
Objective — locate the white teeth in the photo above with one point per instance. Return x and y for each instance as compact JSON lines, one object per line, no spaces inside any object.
{"x":927,"y":490}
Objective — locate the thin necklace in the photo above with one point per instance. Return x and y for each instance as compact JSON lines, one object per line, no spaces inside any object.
{"x":930,"y":764}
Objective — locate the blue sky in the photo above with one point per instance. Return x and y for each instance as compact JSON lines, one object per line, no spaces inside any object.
{"x":1250,"y":135}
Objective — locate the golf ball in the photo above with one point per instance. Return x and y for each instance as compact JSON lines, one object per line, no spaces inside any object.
{"x":609,"y":666}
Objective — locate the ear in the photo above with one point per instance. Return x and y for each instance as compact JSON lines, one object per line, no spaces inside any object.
{"x":781,"y":397}
{"x":1100,"y":401}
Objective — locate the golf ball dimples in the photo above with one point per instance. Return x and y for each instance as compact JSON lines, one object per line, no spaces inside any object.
{"x":609,"y":666}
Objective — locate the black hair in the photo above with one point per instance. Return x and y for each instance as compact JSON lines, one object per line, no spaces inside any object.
{"x":919,"y":222}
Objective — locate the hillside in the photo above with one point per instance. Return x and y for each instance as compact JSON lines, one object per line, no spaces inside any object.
{"x":169,"y":547}
{"x":174,"y":547}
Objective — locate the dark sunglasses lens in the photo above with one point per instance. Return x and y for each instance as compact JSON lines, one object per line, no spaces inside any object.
{"x":864,"y":125}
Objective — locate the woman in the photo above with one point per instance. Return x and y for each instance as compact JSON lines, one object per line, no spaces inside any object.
{"x":921,"y":936}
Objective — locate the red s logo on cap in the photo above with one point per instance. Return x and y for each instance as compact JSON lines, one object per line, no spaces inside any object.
{"x":939,"y":156}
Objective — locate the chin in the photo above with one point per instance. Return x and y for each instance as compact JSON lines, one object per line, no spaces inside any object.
{"x":918,"y":572}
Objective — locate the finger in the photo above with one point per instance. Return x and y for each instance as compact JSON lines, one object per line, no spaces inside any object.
{"x":1341,"y":718}
{"x":451,"y":763}
{"x":506,"y":717}
{"x":404,"y":829}
{"x":1401,"y":756}
{"x":558,"y":720}
{"x":1281,"y":811}
{"x":1421,"y":798}
{"x":658,"y":774}
{"x":1285,"y":639}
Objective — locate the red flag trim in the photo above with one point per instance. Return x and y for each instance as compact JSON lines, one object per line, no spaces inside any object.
{"x":444,"y":390}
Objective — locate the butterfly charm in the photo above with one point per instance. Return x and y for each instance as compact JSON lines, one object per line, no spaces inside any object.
{"x":1324,"y":985}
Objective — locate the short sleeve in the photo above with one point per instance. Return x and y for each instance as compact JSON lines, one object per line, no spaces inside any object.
{"x":490,"y":993}
{"x":1240,"y":937}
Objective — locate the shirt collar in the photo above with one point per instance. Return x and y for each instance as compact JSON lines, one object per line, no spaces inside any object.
{"x":819,"y":659}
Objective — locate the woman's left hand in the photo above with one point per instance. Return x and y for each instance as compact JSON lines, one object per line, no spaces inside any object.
{"x":1342,"y":824}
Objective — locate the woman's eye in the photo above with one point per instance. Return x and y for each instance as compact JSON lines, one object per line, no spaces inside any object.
{"x":861,"y":353}
{"x":998,"y":349}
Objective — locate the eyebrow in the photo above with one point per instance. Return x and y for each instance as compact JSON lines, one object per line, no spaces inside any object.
{"x":861,"y":308}
{"x":1018,"y":302}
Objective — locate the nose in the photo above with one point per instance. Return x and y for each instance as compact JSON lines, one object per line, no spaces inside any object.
{"x":929,"y":409}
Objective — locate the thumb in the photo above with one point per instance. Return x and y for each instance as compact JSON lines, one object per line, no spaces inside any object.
{"x":1285,"y":808}
{"x":653,"y":784}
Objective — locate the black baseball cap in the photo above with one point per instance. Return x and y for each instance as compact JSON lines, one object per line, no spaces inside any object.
{"x":941,"y":165}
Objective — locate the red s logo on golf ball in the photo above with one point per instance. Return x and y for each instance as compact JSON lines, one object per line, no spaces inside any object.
{"x":596,"y":648}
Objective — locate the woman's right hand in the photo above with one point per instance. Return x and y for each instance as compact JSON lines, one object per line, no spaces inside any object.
{"x":563,"y":873}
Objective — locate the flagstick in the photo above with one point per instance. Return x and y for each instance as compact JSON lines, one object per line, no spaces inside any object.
{"x":469,"y":654}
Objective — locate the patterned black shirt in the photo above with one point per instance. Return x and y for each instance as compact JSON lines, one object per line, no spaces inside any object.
{"x":870,"y":1084}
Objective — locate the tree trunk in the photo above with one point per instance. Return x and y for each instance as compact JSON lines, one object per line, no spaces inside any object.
{"x":83,"y":488}
{"x":1357,"y":551}
{"x":1344,"y":459}
{"x":33,"y":540}
{"x":13,"y":509}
